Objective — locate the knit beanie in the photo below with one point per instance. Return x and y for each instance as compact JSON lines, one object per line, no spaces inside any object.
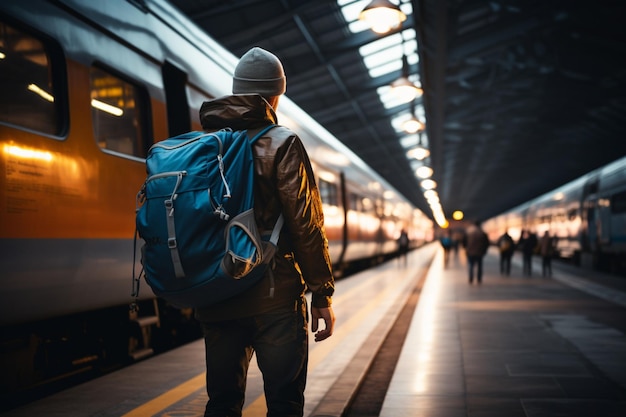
{"x":261,"y":72}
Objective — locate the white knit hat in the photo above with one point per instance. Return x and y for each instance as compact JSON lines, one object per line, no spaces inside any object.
{"x":260,"y":72}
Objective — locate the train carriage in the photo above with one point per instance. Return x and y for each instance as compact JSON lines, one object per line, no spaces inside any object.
{"x":586,"y":216}
{"x":87,"y":88}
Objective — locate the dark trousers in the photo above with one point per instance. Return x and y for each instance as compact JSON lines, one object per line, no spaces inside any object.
{"x":280,"y":340}
{"x":475,"y":261}
{"x":528,"y":264}
{"x":546,"y":266}
{"x":505,"y":263}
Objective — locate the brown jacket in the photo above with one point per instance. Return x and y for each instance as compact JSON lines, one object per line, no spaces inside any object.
{"x":284,"y":182}
{"x":476,"y":241}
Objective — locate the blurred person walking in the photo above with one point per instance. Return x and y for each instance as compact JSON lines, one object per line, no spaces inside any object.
{"x":476,"y":244}
{"x":403,"y":246}
{"x":546,"y":250}
{"x":506,"y":246}
{"x":528,"y":244}
{"x":446,"y":244}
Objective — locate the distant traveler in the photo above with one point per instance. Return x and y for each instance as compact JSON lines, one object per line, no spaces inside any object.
{"x":476,"y":245}
{"x":457,"y":239}
{"x":446,"y":244}
{"x":403,"y":246}
{"x":546,"y":250}
{"x":506,"y":248}
{"x":270,"y":319}
{"x":528,"y":244}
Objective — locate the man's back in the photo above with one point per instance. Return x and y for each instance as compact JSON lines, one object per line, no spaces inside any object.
{"x":477,"y":242}
{"x":271,"y":318}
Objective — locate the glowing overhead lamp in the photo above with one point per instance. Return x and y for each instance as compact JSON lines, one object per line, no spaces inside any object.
{"x":458,"y":215}
{"x":430,"y":194}
{"x":41,"y":92}
{"x":420,"y":152}
{"x":382,"y":16}
{"x":403,"y":88}
{"x":428,"y":184}
{"x":424,"y":172}
{"x":413,"y":125}
{"x":100,"y":105}
{"x":432,"y":201}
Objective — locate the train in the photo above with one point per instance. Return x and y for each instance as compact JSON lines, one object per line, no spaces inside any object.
{"x":88,"y":87}
{"x":587,"y":218}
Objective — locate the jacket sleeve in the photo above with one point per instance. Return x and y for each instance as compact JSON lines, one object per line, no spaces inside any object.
{"x":302,"y":209}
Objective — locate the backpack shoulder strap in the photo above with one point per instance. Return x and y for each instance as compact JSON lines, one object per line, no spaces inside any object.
{"x":279,"y":222}
{"x":260,"y":133}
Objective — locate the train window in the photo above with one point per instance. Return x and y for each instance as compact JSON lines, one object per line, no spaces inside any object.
{"x":118,"y":111}
{"x":368,"y":205}
{"x":328,"y":192}
{"x":572,"y":214}
{"x":379,"y":207}
{"x":618,"y":202}
{"x":354,"y":202}
{"x":32,"y":80}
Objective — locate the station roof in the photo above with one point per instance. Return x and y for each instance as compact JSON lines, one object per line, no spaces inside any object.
{"x":520,"y":97}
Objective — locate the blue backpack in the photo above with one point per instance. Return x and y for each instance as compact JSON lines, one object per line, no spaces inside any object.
{"x":195,"y":215}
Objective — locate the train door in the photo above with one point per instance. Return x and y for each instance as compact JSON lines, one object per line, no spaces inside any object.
{"x":174,"y":83}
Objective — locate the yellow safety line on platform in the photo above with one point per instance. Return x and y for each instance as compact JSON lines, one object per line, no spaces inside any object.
{"x":170,"y":397}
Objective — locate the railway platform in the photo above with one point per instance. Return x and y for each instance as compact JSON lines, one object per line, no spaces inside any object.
{"x":511,"y":346}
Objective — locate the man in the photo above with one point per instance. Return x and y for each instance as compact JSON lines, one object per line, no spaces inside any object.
{"x":528,"y":243}
{"x":546,"y":249}
{"x":270,"y":318}
{"x":476,"y":245}
{"x":403,"y":246}
{"x":506,"y":247}
{"x":446,"y":244}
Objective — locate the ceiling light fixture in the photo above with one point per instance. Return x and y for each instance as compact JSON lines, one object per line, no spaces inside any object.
{"x":430,"y":193}
{"x":424,"y":172}
{"x":403,"y":88}
{"x":382,"y":16}
{"x":413,"y":125}
{"x":420,"y":152}
{"x":428,"y":184}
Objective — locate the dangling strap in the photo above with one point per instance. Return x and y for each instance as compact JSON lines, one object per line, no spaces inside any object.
{"x":171,"y":229}
{"x":136,"y":278}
